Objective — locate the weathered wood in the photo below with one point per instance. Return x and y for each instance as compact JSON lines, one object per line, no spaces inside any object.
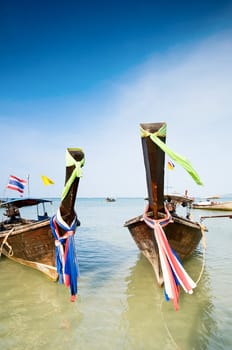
{"x":152,"y":154}
{"x":183,"y":234}
{"x":215,"y":216}
{"x":67,"y":206}
{"x":30,"y":242}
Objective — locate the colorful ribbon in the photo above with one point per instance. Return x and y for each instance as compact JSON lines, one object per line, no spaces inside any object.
{"x":66,"y":260}
{"x":77,"y":172}
{"x":176,"y":157}
{"x":172,"y":269}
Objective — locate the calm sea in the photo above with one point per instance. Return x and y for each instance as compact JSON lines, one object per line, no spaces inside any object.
{"x":119,"y":304}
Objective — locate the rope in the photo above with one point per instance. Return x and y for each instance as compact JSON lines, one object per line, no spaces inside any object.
{"x":166,"y":327}
{"x":203,"y":242}
{"x":4,"y":242}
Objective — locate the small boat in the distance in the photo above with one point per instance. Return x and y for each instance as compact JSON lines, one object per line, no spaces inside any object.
{"x":210,"y":204}
{"x":110,"y":199}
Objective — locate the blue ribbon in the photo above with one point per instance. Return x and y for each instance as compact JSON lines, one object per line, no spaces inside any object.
{"x":70,"y":267}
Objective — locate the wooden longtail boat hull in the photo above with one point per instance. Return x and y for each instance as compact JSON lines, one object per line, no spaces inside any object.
{"x":30,"y":242}
{"x":183,"y":234}
{"x":32,"y":245}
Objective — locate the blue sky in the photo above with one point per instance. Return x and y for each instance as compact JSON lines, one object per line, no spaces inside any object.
{"x":87,"y":73}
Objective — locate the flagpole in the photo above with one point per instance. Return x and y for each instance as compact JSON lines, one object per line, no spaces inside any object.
{"x":28,"y":185}
{"x":167,"y":180}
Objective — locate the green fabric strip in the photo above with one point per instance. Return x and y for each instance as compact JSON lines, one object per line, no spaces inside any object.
{"x":77,"y":172}
{"x":174,"y":156}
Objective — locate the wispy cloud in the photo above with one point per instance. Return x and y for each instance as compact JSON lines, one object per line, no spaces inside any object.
{"x":188,"y":87}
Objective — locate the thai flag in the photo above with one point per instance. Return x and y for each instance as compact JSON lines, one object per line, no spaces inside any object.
{"x":16,"y":184}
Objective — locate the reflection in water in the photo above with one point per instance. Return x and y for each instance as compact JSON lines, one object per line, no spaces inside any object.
{"x":34,"y":310}
{"x":120,"y":306}
{"x":153,"y":323}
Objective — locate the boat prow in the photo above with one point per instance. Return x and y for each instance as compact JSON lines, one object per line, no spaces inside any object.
{"x":183,"y":234}
{"x":30,"y":242}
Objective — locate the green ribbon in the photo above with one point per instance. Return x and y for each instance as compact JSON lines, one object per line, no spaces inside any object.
{"x":174,"y":156}
{"x":77,"y":171}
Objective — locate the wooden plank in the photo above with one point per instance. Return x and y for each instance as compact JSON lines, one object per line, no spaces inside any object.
{"x":215,"y":216}
{"x":154,"y":159}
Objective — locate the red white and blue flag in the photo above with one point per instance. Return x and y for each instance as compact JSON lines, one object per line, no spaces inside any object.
{"x":16,"y":184}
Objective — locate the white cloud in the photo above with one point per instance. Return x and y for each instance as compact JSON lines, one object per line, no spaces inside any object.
{"x":188,"y":87}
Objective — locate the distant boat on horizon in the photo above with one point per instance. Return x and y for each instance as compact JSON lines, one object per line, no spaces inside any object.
{"x":209,"y":204}
{"x":110,"y":199}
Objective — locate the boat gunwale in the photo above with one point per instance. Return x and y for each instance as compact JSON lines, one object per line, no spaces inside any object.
{"x":176,"y":218}
{"x":25,"y":227}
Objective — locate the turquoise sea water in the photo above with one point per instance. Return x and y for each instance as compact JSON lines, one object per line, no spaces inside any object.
{"x":119,"y":304}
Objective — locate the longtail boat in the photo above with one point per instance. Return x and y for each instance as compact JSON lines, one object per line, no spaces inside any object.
{"x":183,"y":234}
{"x":110,"y":199}
{"x":31,"y":242}
{"x":213,"y":205}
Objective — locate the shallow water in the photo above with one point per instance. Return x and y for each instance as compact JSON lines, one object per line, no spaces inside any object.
{"x":119,"y":304}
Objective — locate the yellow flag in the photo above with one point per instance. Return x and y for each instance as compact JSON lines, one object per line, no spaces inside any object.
{"x":170,"y":165}
{"x":46,"y":180}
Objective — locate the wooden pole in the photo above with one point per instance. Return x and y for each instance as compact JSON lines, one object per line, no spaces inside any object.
{"x":215,"y":216}
{"x":154,"y":159}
